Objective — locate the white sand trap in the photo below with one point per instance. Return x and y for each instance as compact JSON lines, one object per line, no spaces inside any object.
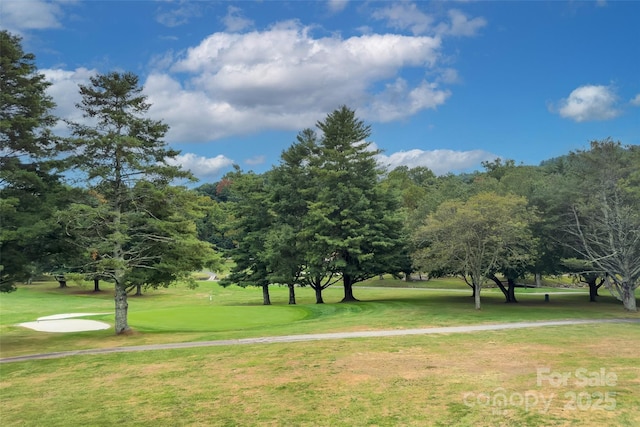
{"x":66,"y":323}
{"x":69,"y":316}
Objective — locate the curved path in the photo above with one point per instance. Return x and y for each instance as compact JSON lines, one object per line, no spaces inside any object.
{"x":314,"y":337}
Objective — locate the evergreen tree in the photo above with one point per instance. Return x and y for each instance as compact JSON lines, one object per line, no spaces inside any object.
{"x":352,"y":220}
{"x":135,"y":216}
{"x":290,"y":250}
{"x":250,"y":224}
{"x":30,"y":190}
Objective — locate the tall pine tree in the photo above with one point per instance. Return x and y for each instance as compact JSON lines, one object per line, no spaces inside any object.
{"x":30,"y":190}
{"x":136,"y":220}
{"x":352,"y":219}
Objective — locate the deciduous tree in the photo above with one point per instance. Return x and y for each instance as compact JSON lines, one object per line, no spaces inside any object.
{"x":475,"y":238}
{"x":604,"y":220}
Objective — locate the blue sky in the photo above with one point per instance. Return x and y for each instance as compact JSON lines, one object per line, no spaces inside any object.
{"x":443,"y":84}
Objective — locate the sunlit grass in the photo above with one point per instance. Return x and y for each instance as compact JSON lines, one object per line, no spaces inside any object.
{"x":413,"y":380}
{"x":210,"y":312}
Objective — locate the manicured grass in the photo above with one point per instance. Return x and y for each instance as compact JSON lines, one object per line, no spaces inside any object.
{"x":211,"y":312}
{"x":415,"y":380}
{"x":215,"y":318}
{"x":552,"y":284}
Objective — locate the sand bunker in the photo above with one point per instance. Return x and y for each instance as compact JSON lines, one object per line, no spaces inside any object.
{"x":69,"y":316}
{"x":66,"y":323}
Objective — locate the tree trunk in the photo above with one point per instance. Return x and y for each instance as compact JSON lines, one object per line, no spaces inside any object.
{"x":501,"y":286}
{"x":511,"y":293}
{"x":318,"y":290}
{"x":122,"y":307}
{"x":348,"y":289}
{"x":266,"y":299}
{"x":593,"y":293}
{"x":62,"y":281}
{"x":629,"y":298}
{"x":538,"y":280}
{"x":292,"y":294}
{"x":476,"y":295}
{"x":469,"y":284}
{"x":96,"y":285}
{"x":138,"y":291}
{"x":593,"y":289}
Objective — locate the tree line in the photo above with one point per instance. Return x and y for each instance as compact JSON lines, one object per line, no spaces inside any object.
{"x":328,"y":213}
{"x":105,"y":202}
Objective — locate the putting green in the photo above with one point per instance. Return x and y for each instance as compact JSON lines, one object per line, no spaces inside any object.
{"x":214,"y":318}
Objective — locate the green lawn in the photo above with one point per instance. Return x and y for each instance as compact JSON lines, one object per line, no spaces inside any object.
{"x":437,"y":380}
{"x":211,"y":312}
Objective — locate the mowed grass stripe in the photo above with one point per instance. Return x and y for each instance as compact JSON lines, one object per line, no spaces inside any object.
{"x":214,"y":318}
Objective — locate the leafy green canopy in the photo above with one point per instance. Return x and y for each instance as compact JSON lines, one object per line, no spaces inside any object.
{"x":476,"y":238}
{"x":604,"y":225}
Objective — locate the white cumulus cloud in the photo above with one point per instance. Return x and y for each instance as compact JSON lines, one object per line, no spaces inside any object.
{"x":461,"y":25}
{"x":19,"y":15}
{"x":635,"y":101}
{"x":170,"y":16}
{"x":398,"y":100}
{"x":65,"y":92}
{"x":195,"y":116}
{"x":405,"y":16}
{"x":281,"y":78}
{"x":337,"y":5}
{"x":235,"y":21}
{"x":284,"y":78}
{"x":202,"y":166}
{"x":256,"y":160}
{"x":589,"y":103}
{"x":440,"y":162}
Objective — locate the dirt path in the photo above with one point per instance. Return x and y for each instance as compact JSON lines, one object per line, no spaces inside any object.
{"x":314,"y":337}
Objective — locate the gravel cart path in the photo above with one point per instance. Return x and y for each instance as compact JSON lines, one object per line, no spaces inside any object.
{"x":314,"y":337}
